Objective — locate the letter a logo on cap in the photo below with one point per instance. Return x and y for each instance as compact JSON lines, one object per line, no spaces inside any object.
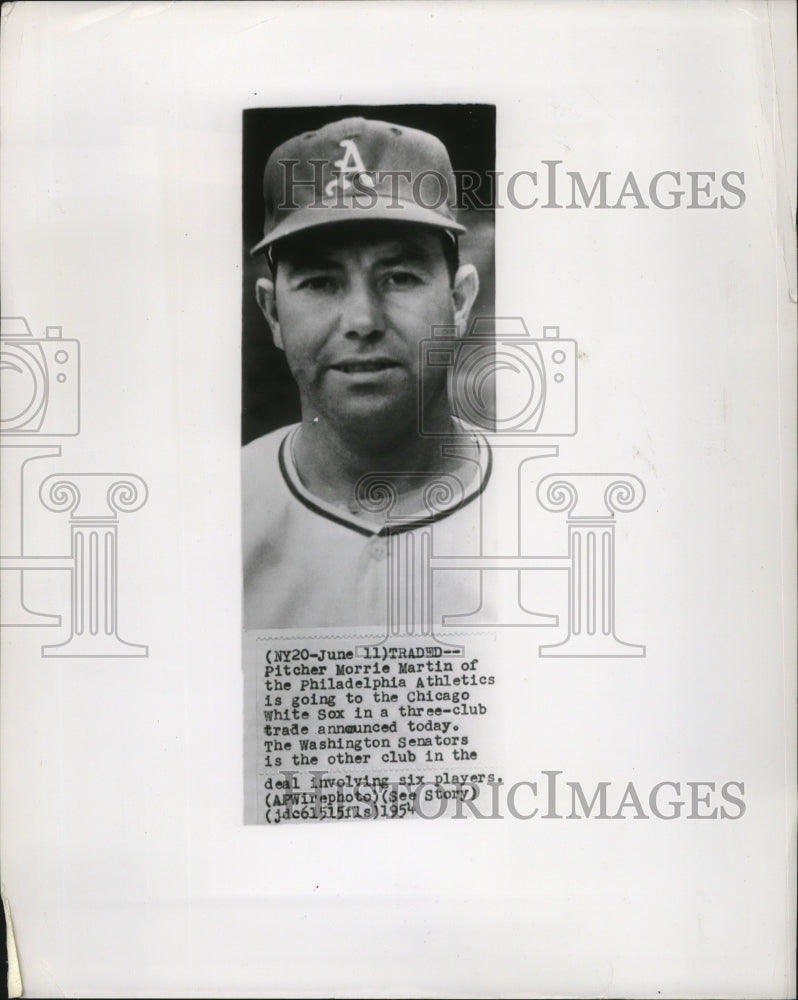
{"x":351,"y":163}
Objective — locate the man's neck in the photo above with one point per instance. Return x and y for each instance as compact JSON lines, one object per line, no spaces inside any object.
{"x":331,"y":466}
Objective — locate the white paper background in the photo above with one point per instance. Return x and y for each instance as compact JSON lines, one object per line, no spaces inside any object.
{"x":125,"y":860}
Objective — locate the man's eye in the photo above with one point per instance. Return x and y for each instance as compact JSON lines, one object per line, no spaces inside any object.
{"x":402,"y":279}
{"x":317,"y":283}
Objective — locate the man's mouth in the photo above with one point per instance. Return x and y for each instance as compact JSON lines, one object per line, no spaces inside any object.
{"x":358,"y":367}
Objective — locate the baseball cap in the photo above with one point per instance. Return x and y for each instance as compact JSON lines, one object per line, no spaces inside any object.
{"x":357,"y":169}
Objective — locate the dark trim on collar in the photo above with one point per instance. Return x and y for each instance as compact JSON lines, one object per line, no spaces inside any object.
{"x":307,"y":501}
{"x":385,"y":530}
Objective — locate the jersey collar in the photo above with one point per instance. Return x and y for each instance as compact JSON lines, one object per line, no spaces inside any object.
{"x":340,"y":515}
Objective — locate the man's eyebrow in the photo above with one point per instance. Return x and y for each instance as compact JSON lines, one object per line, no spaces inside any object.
{"x":314,"y":260}
{"x":318,"y":258}
{"x":409,"y":252}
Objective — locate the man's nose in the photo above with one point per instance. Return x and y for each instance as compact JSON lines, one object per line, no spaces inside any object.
{"x":362,"y":314}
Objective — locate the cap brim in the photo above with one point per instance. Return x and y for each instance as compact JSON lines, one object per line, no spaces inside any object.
{"x":387,"y":209}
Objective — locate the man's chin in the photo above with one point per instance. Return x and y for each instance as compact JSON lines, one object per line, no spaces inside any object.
{"x":372,"y":427}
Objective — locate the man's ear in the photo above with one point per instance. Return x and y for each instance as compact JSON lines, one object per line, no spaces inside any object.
{"x":264,"y":292}
{"x":464,"y":293}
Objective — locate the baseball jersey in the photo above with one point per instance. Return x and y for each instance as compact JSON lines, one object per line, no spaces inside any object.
{"x":309,"y":563}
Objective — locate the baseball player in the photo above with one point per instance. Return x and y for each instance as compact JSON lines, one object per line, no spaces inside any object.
{"x":342,"y":511}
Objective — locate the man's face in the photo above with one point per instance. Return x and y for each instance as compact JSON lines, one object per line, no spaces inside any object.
{"x":349,"y":306}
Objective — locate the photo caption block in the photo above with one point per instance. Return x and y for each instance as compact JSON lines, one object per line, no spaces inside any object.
{"x":362,"y":728}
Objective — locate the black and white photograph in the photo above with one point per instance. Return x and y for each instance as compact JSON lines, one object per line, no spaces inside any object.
{"x":364,"y":328}
{"x":398,"y":490}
